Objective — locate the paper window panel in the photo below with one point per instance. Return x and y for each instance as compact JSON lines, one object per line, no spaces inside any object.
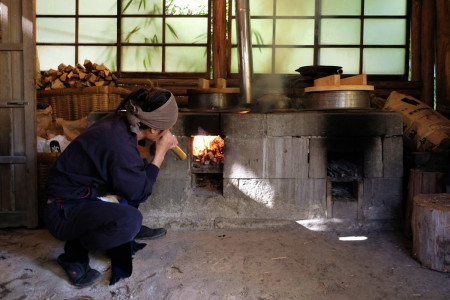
{"x":347,"y":58}
{"x":187,"y":30}
{"x":186,"y":59}
{"x":51,"y":56}
{"x":141,"y":59}
{"x":105,"y":30}
{"x":55,"y":30}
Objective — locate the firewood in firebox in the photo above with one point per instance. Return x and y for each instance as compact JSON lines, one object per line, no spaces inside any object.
{"x":208,"y":152}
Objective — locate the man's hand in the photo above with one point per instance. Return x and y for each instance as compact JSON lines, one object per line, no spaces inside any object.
{"x":166,"y":142}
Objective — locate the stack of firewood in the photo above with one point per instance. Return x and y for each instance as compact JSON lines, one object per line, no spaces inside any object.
{"x":91,"y":74}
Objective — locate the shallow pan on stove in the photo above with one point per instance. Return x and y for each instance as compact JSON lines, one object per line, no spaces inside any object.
{"x":213,"y":101}
{"x":323,"y":100}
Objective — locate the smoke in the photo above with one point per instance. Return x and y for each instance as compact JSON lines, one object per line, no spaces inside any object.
{"x":270,"y":94}
{"x":201,"y":131}
{"x":263,"y":85}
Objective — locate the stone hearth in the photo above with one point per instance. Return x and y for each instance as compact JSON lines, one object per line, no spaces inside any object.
{"x":275,"y":171}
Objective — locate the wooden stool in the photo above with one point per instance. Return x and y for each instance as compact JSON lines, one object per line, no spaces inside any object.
{"x":431,"y":231}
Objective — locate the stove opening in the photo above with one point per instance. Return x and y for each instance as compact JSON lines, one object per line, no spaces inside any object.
{"x":344,"y":166}
{"x":345,"y":179}
{"x":207,"y":164}
{"x":207,"y":151}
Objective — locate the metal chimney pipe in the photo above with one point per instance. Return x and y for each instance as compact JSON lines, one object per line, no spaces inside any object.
{"x":244,"y":49}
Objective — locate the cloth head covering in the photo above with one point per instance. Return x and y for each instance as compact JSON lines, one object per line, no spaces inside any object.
{"x":164,"y":117}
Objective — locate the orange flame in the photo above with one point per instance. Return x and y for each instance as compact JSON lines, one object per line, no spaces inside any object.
{"x":203,"y":144}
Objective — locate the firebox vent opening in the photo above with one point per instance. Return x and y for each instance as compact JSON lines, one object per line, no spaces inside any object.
{"x":344,"y":191}
{"x":344,"y":199}
{"x":207,"y":184}
{"x":207,"y":164}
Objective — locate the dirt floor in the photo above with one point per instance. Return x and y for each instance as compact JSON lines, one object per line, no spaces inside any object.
{"x":284,"y":263}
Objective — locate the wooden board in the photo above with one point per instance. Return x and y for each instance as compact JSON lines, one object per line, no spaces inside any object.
{"x":203,"y":87}
{"x":340,"y":88}
{"x":214,"y":91}
{"x":335,"y":83}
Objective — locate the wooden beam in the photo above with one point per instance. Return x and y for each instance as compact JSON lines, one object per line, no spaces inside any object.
{"x":13,"y":159}
{"x":416,"y":28}
{"x":428,"y":51}
{"x":11,"y":47}
{"x":28,"y":60}
{"x":219,"y":40}
{"x":443,"y":56}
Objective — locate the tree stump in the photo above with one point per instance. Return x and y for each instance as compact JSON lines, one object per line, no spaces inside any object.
{"x":420,"y":183}
{"x":431,"y":231}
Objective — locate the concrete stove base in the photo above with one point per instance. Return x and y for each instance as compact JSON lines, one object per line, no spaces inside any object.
{"x":275,"y":169}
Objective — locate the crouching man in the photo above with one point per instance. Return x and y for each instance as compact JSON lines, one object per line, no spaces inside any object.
{"x":104,"y":161}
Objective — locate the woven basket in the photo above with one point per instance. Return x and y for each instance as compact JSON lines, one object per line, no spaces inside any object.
{"x":76,"y":103}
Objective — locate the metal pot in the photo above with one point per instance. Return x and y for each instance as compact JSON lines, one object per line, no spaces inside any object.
{"x":337,"y":100}
{"x":213,"y":101}
{"x":273,"y":100}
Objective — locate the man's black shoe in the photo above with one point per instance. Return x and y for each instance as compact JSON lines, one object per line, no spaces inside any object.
{"x":80,"y":273}
{"x":146,"y":233}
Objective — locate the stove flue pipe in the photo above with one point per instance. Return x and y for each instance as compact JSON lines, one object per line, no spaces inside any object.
{"x":244,"y":42}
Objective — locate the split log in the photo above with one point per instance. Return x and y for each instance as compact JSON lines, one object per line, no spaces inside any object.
{"x":57,"y":84}
{"x":92,"y":78}
{"x":68,"y":69}
{"x":431,"y":231}
{"x":100,"y":67}
{"x":63,"y":77}
{"x":82,"y":75}
{"x":61,"y":67}
{"x":88,"y":65}
{"x":99,"y":83}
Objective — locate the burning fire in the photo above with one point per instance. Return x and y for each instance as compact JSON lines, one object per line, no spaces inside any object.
{"x":208,"y":149}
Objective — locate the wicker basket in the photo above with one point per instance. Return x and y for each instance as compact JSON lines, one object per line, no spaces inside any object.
{"x":76,"y":103}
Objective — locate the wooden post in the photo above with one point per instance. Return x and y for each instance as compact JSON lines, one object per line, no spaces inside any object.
{"x":431,"y":231}
{"x":230,"y":31}
{"x":416,"y":24}
{"x":428,"y":51}
{"x":219,"y":40}
{"x":443,"y":57}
